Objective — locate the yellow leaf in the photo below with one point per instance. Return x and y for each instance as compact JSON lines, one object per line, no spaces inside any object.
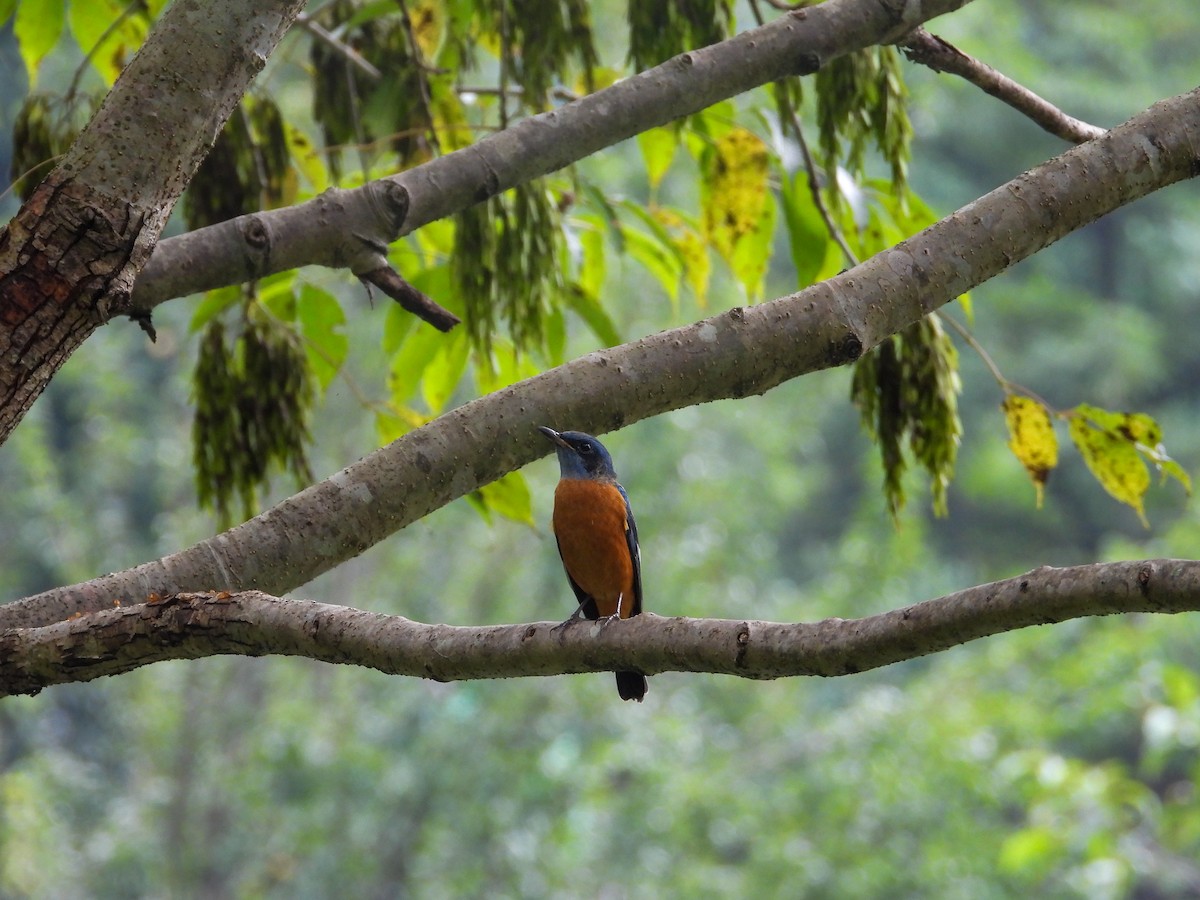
{"x":1031,"y":439}
{"x":1112,"y":458}
{"x":428,"y":20}
{"x":736,"y":189}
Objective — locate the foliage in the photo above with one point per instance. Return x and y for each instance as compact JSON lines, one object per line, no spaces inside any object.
{"x":1054,"y":762}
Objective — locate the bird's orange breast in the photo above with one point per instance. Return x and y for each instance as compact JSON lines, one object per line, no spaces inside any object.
{"x":591,"y":525}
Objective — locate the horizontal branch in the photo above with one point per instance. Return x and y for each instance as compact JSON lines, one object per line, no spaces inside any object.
{"x":352,"y":228}
{"x":191,"y":626}
{"x":736,"y":353}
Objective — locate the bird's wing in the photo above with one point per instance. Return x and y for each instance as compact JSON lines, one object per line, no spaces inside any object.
{"x":635,"y":553}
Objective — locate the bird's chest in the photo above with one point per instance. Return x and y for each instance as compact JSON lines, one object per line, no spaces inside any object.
{"x":590,"y":525}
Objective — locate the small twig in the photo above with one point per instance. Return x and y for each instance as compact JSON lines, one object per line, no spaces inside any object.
{"x":515,"y":90}
{"x":323,"y":34}
{"x":814,"y":188}
{"x":505,"y":61}
{"x":941,"y":56}
{"x":810,"y":164}
{"x":1007,"y":386}
{"x":422,"y":69}
{"x":423,"y":307}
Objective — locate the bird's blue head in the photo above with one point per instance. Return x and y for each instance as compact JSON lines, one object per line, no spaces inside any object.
{"x":580,"y":455}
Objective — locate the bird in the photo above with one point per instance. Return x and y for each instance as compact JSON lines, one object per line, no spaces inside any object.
{"x":597,"y":538}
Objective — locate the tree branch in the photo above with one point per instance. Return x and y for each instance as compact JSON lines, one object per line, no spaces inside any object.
{"x":191,"y":626}
{"x":942,"y":56}
{"x":419,"y":304}
{"x":351,"y":228}
{"x":736,"y":353}
{"x":69,"y":258}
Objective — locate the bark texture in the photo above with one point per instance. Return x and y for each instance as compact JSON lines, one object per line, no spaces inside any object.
{"x":69,"y":258}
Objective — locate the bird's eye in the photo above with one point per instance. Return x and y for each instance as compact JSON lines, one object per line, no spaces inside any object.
{"x":585,"y":448}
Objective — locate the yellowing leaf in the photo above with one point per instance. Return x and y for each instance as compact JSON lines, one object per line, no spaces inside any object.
{"x":1113,"y":459}
{"x":1031,"y":439}
{"x":428,"y":20}
{"x":735,"y":190}
{"x":305,"y":158}
{"x":753,"y":252}
{"x":696,"y":266}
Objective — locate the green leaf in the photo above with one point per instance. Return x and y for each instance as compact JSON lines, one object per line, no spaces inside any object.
{"x":7,"y":8}
{"x":397,"y":323}
{"x":808,"y":237}
{"x":410,"y":361}
{"x":37,"y":28}
{"x":321,"y":319}
{"x":445,"y":368}
{"x":213,"y":304}
{"x":507,"y":366}
{"x":584,"y":304}
{"x":591,"y":260}
{"x":659,"y":259}
{"x":508,"y":497}
{"x":658,"y":147}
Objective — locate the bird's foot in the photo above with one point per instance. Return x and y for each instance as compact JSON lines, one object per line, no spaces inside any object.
{"x":573,"y":617}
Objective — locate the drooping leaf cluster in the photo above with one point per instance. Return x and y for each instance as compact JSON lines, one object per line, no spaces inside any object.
{"x":45,"y":127}
{"x":658,"y":31}
{"x":356,"y":109}
{"x":248,"y":169}
{"x":540,"y":40}
{"x":506,"y":264}
{"x":906,"y":390}
{"x":861,"y":102}
{"x":253,"y":397}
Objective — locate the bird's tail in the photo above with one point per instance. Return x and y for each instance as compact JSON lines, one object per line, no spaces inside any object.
{"x":631,"y":685}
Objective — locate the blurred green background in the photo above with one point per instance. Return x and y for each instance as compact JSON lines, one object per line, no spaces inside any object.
{"x":1056,"y":762}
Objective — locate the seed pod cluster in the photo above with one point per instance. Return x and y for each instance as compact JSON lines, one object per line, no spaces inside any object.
{"x":253,"y":399}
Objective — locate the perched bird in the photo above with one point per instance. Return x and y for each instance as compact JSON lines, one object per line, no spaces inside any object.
{"x":597,"y":538}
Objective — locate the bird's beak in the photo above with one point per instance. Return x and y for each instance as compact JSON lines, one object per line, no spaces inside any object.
{"x":553,"y":436}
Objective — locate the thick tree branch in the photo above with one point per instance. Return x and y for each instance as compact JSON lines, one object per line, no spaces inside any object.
{"x":739,"y":352}
{"x":351,"y":228}
{"x":942,"y":56}
{"x":733,"y":354}
{"x":191,"y":626}
{"x":69,"y":258}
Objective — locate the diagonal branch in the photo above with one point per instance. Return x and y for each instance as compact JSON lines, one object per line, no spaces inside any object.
{"x":942,"y":56}
{"x":739,"y":352}
{"x":191,"y":626}
{"x":350,"y":228}
{"x":70,"y":257}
